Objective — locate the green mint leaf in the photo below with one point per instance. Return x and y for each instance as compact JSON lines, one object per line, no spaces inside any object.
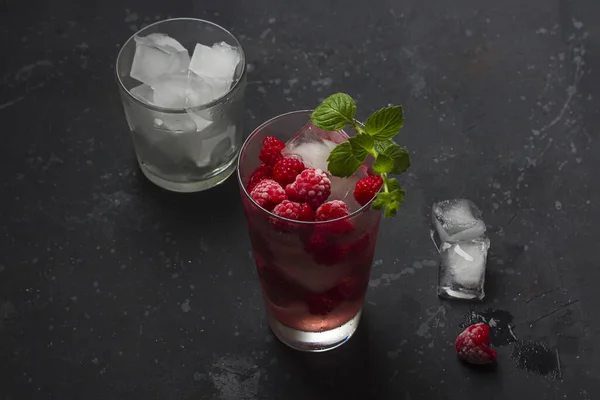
{"x":385,"y":123}
{"x":400,"y":157}
{"x":383,"y":164}
{"x":334,"y":113}
{"x":361,"y":146}
{"x":382,"y":200}
{"x":391,"y":209}
{"x":393,"y":185}
{"x":381,"y":145}
{"x":398,"y":195}
{"x":342,"y":161}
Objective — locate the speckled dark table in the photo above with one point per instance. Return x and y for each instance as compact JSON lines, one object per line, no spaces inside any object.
{"x":111,"y":288}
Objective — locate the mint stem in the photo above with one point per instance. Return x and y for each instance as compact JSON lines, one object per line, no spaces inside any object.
{"x":358,"y":126}
{"x":385,"y":185}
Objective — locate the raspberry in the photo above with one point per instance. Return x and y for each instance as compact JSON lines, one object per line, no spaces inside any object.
{"x":333,"y":210}
{"x":271,"y":150}
{"x":311,"y":186}
{"x":367,"y":188}
{"x":286,"y":170}
{"x":331,"y":254}
{"x":360,"y":245}
{"x":324,"y":251}
{"x":268,"y":193}
{"x":321,"y":304}
{"x":316,"y":242}
{"x":350,"y":288}
{"x":296,"y":211}
{"x":473,"y":345}
{"x":291,"y":210}
{"x":277,"y":289}
{"x":260,"y":173}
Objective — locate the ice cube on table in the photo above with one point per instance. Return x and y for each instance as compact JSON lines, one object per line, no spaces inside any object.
{"x":155,"y":55}
{"x":313,"y":145}
{"x":457,"y":220}
{"x":462,"y":269}
{"x":216,"y":64}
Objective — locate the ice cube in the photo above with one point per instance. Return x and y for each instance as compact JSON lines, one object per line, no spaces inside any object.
{"x":462,"y":269}
{"x":314,"y":279}
{"x":457,"y":220}
{"x":216,"y":64}
{"x":162,"y":40}
{"x":175,"y":123}
{"x":313,"y":145}
{"x":343,"y":189}
{"x":216,"y":146}
{"x":218,"y":61}
{"x":220,"y":86}
{"x":155,"y":55}
{"x":181,"y":90}
{"x":143,"y":92}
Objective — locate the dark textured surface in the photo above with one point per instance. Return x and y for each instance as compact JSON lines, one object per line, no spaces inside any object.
{"x":111,"y":288}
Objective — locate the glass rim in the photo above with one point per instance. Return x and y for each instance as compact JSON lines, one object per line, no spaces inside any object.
{"x":269,"y":213}
{"x":201,"y":107}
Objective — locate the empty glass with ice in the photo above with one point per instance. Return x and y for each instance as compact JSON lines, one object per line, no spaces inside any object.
{"x":182,"y":84}
{"x":313,"y":242}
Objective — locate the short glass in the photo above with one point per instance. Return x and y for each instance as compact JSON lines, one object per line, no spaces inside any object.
{"x":313,"y":294}
{"x":173,"y":149}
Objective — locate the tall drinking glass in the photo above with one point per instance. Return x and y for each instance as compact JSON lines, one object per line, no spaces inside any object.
{"x":191,"y":147}
{"x":313,"y":279}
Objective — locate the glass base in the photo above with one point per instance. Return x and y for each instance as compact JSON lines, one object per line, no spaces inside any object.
{"x":315,"y":341}
{"x":189,"y":187}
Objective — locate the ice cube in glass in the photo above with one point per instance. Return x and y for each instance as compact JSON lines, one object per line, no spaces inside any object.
{"x":216,"y":64}
{"x":155,"y":55}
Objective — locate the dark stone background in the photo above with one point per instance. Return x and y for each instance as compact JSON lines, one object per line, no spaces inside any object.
{"x":111,"y":288}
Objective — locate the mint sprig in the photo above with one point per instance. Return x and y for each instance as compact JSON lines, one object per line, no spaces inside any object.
{"x":374,"y":138}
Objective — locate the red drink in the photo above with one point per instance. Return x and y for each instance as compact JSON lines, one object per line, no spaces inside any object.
{"x":313,"y":275}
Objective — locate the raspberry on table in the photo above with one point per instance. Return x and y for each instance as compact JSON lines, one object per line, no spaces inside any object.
{"x":271,"y":150}
{"x":367,"y":188}
{"x":268,"y":193}
{"x":473,"y":345}
{"x":259,"y":174}
{"x":286,"y":170}
{"x":311,"y":186}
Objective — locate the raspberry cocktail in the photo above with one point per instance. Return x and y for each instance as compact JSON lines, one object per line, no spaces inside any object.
{"x":312,"y":196}
{"x":313,"y":244}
